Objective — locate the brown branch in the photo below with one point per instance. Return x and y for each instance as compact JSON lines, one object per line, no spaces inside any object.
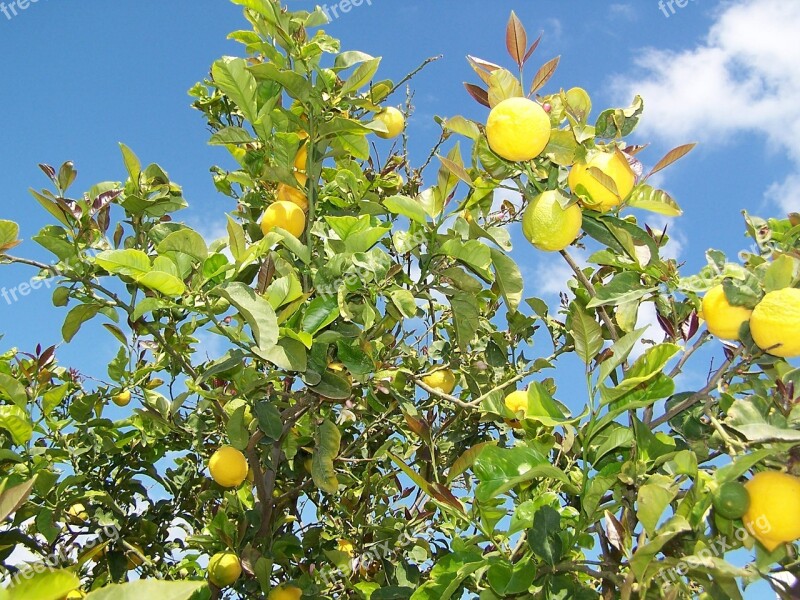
{"x":612,"y":330}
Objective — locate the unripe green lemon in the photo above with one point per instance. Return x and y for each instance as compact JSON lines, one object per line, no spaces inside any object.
{"x":549,"y":226}
{"x":224,"y":569}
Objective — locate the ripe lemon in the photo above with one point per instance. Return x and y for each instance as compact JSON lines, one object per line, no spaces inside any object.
{"x":518,"y":129}
{"x":287,"y":193}
{"x":285,"y":592}
{"x":224,"y":569}
{"x":301,"y":158}
{"x":775,"y":324}
{"x":774,"y":514}
{"x":517,"y":401}
{"x":394,"y":120}
{"x":286,"y":215}
{"x":731,"y":500}
{"x":122,"y":399}
{"x":75,"y":595}
{"x":723,"y":319}
{"x":593,"y":193}
{"x":228,"y":467}
{"x":77,"y":514}
{"x":548,"y":226}
{"x":345,"y":546}
{"x":443,"y":380}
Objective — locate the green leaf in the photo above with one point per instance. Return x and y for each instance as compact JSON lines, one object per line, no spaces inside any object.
{"x":500,"y":470}
{"x":624,"y":287}
{"x":405,"y":302}
{"x":254,"y":309}
{"x":269,"y":420}
{"x":503,"y":85}
{"x":620,"y":351}
{"x":658,"y":201}
{"x":132,"y":163}
{"x":231,"y":135}
{"x":17,"y":422}
{"x":645,"y":554}
{"x":13,"y":390}
{"x":232,"y":77}
{"x":779,"y":274}
{"x":9,"y":231}
{"x":76,"y":317}
{"x":185,"y":241}
{"x":327,"y":440}
{"x":447,"y":575}
{"x":465,"y":317}
{"x":361,"y":75}
{"x":646,"y":367}
{"x":745,"y":417}
{"x":321,"y":312}
{"x":288,"y":354}
{"x":465,"y":461}
{"x":618,"y":122}
{"x":544,"y":538}
{"x":50,"y":585}
{"x":236,"y":240}
{"x":652,"y":500}
{"x":148,"y":588}
{"x":132,"y":263}
{"x":509,"y":278}
{"x":473,"y":253}
{"x":164,"y":283}
{"x":14,"y":497}
{"x":406,"y":207}
{"x":586,"y":333}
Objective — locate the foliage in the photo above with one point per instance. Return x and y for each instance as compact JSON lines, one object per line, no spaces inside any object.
{"x":326,"y":339}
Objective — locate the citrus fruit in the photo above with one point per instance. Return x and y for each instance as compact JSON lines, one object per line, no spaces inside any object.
{"x":773,"y":517}
{"x":518,"y":129}
{"x":593,"y":193}
{"x":285,"y":592}
{"x":393,"y":120}
{"x":75,"y":595}
{"x":77,"y":514}
{"x":731,"y":500}
{"x":549,"y":226}
{"x":517,"y":401}
{"x":122,"y":399}
{"x":134,"y":558}
{"x":286,"y":215}
{"x":224,"y":569}
{"x":301,"y":158}
{"x":775,"y":323}
{"x":722,"y":318}
{"x":345,"y":546}
{"x":443,"y":380}
{"x":228,"y":467}
{"x":287,"y":193}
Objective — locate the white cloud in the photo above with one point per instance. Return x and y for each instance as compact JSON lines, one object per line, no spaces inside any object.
{"x":741,"y":81}
{"x":626,"y":11}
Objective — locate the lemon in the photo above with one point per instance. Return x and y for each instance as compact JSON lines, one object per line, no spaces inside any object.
{"x":773,"y":517}
{"x":775,"y":324}
{"x":518,"y":129}
{"x":224,"y":569}
{"x":345,"y":546}
{"x":285,"y":592}
{"x":443,"y":380}
{"x":549,"y":226}
{"x":301,"y":158}
{"x":228,"y":467}
{"x":393,"y":120}
{"x":134,"y":559}
{"x":287,"y":193}
{"x":723,"y":319}
{"x":731,"y":500}
{"x":75,"y":595}
{"x":517,"y":401}
{"x":122,"y":399}
{"x":593,"y":193}
{"x":77,"y":514}
{"x":286,"y":215}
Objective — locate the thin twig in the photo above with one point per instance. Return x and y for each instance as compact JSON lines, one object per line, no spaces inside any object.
{"x":408,"y":77}
{"x":612,"y":331}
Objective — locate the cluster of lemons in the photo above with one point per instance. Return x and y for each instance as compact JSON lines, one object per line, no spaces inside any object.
{"x":518,"y":130}
{"x":774,"y":322}
{"x":289,"y":210}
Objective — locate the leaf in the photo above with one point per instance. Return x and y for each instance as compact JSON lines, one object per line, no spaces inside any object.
{"x":405,"y":302}
{"x":17,"y":422}
{"x":76,"y":317}
{"x":321,"y":312}
{"x":671,"y":157}
{"x":478,"y":93}
{"x":657,"y":201}
{"x":501,"y":469}
{"x":587,"y":334}
{"x":130,"y":262}
{"x":652,"y":500}
{"x":361,"y":75}
{"x":779,"y":274}
{"x":503,"y":85}
{"x":624,"y":287}
{"x":164,"y":283}
{"x":619,"y":353}
{"x":456,"y":169}
{"x":465,"y":317}
{"x":647,"y":367}
{"x":472,"y":253}
{"x":13,"y":390}
{"x":508,"y":277}
{"x":744,"y":417}
{"x":132,"y":163}
{"x":231,"y":135}
{"x":544,"y":74}
{"x":516,"y":39}
{"x":466,"y":460}
{"x":645,"y":554}
{"x":254,"y":309}
{"x":148,"y":588}
{"x":326,"y":448}
{"x":462,"y":126}
{"x":544,"y":538}
{"x":185,"y":241}
{"x":50,"y":585}
{"x":236,"y":240}
{"x":9,"y":231}
{"x":407,"y":207}
{"x":233,"y":78}
{"x":12,"y":498}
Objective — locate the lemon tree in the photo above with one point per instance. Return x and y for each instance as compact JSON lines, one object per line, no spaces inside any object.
{"x":389,"y":410}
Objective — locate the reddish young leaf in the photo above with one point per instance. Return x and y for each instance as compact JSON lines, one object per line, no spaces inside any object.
{"x":516,"y":39}
{"x":544,"y":74}
{"x":532,"y":49}
{"x":671,"y":157}
{"x":480,"y":94}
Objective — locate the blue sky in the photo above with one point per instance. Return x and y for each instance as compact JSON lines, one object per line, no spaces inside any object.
{"x":79,"y":77}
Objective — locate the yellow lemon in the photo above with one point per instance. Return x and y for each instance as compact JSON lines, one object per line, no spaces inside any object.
{"x":301,"y":158}
{"x":224,"y":569}
{"x":773,"y":517}
{"x":228,"y":467}
{"x":75,"y":595}
{"x":122,"y":399}
{"x":518,"y":129}
{"x":286,"y":215}
{"x":77,"y":514}
{"x":443,"y":380}
{"x":345,"y":546}
{"x":594,"y":194}
{"x":548,"y":226}
{"x":285,"y":592}
{"x":287,"y":193}
{"x":723,"y":319}
{"x":517,"y":401}
{"x":775,"y":323}
{"x":393,"y":120}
